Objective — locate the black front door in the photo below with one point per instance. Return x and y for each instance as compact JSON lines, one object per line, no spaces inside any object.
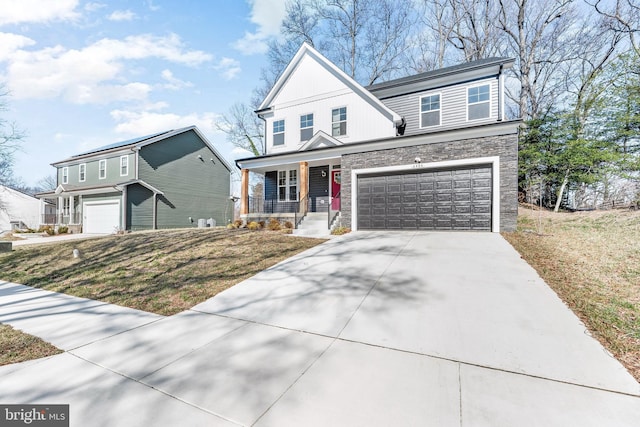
{"x":319,"y":188}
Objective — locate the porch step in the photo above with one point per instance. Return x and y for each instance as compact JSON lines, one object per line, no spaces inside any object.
{"x":313,"y":224}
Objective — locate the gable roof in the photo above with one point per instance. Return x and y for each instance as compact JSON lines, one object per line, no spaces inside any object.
{"x":307,"y":50}
{"x":320,"y":139}
{"x":143,"y":141}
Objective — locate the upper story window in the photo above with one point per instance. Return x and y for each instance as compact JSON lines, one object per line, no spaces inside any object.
{"x":82,"y":172}
{"x":124,"y":165}
{"x":339,"y":121}
{"x":306,"y":127}
{"x":65,"y":175}
{"x":430,"y":110}
{"x":102,"y":169}
{"x":278,"y":132}
{"x":478,"y":102}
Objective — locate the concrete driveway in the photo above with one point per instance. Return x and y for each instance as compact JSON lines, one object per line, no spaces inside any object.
{"x":370,"y":329}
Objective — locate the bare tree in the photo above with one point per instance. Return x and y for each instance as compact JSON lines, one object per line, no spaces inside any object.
{"x":623,"y":18}
{"x":473,"y":29}
{"x":430,"y":43}
{"x":243,"y":128}
{"x":10,"y":138}
{"x":539,"y":36}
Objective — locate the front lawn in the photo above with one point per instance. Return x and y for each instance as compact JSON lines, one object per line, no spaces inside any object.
{"x":162,"y":272}
{"x":16,"y":346}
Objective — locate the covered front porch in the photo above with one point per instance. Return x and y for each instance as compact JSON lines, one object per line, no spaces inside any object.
{"x":292,"y":191}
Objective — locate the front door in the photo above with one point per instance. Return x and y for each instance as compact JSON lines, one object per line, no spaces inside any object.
{"x":319,"y":188}
{"x":335,"y":189}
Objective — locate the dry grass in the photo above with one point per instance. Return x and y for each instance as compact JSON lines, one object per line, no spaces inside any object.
{"x":592,"y":261}
{"x":19,"y":347}
{"x":163,"y":272}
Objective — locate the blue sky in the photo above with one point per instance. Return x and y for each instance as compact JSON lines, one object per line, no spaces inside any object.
{"x":83,"y":74}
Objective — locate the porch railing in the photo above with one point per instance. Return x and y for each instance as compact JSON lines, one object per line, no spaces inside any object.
{"x":260,"y":205}
{"x":62,"y":219}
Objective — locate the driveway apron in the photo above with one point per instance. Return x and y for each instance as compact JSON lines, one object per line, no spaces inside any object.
{"x":369,"y":329}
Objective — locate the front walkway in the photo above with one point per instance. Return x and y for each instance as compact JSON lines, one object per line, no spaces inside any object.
{"x":372,"y":328}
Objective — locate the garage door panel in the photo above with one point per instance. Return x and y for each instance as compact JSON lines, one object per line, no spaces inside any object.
{"x":456,"y":199}
{"x":101,"y":218}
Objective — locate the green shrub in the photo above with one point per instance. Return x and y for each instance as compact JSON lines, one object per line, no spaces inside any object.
{"x":288,"y":225}
{"x":63,"y":229}
{"x":231,"y":226}
{"x":339,"y":231}
{"x":274,"y":225}
{"x":46,"y":229}
{"x":253,"y":226}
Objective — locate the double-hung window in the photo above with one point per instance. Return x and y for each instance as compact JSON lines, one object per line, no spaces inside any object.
{"x":278,"y":132}
{"x":430,"y":110}
{"x":124,"y":165}
{"x":102,"y":169}
{"x":82,"y":172}
{"x":478,"y":102}
{"x":65,"y":175}
{"x":339,"y":121}
{"x":306,"y":127}
{"x":288,"y":185}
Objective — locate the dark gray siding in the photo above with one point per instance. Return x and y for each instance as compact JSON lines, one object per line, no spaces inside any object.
{"x":193,"y":187}
{"x":505,"y":146}
{"x":92,"y":178}
{"x":139,"y":208}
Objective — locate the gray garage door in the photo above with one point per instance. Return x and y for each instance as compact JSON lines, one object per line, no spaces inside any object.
{"x":452,"y":199}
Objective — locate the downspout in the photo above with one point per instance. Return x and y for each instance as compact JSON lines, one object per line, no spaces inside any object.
{"x":155,"y":210}
{"x":500,"y":93}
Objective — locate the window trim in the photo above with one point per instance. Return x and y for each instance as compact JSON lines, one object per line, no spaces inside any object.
{"x":100,"y":169}
{"x":287,"y":185}
{"x":439,"y":110}
{"x":479,"y":102}
{"x":306,"y":127}
{"x":274,"y":133}
{"x":65,"y":175}
{"x":82,"y":172}
{"x":346,"y":120}
{"x":126,"y":165}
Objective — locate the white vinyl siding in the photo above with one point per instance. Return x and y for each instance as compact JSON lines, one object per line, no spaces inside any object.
{"x":82,"y":172}
{"x":102,"y":169}
{"x":65,"y":175}
{"x":430,"y":110}
{"x":453,"y":107}
{"x":124,"y":165}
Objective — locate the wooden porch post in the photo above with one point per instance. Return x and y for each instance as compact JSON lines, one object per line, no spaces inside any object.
{"x":304,"y":186}
{"x":244,"y":192}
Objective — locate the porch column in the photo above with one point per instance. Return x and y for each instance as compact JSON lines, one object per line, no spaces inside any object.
{"x":60,"y":210}
{"x":43,"y":218}
{"x":244,"y":192}
{"x":304,"y":186}
{"x":72,"y":210}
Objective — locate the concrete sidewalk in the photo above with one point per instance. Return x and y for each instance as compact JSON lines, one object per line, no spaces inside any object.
{"x":55,"y":239}
{"x":371,"y":329}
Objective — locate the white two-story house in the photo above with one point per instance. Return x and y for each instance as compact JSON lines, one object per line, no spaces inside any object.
{"x":431,"y":151}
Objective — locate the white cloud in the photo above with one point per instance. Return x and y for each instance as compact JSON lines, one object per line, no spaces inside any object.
{"x":94,"y":74}
{"x":229,"y":68}
{"x":20,"y":11}
{"x":10,"y":43}
{"x":268,"y":16}
{"x":92,"y":7}
{"x":122,"y":15}
{"x":135,"y":123}
{"x":174,"y":83}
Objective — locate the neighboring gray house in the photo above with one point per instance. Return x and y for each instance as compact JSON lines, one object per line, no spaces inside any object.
{"x":166,"y":180}
{"x":431,"y":151}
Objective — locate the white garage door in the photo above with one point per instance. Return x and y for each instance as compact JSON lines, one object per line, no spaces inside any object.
{"x":101,"y":217}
